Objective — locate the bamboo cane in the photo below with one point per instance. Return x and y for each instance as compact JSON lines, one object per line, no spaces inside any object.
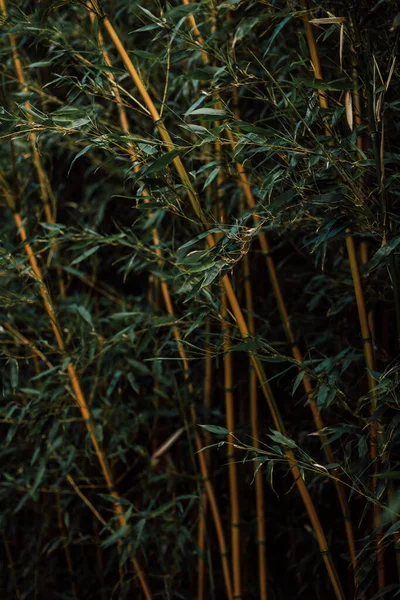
{"x":295,"y":349}
{"x":46,"y":193}
{"x":168,"y":303}
{"x":235,"y":307}
{"x":233,"y":479}
{"x":230,"y":418}
{"x":201,"y":538}
{"x":259,"y":488}
{"x":80,"y":398}
{"x":362,"y":312}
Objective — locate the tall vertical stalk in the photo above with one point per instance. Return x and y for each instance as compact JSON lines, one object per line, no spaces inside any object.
{"x":235,"y":307}
{"x":258,"y":480}
{"x":76,"y":386}
{"x":202,"y":529}
{"x":362,"y":313}
{"x":296,"y":352}
{"x":178,"y":338}
{"x":46,"y":193}
{"x":230,"y":415}
{"x":233,"y":479}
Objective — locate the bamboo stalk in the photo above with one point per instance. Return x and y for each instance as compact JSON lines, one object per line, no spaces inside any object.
{"x":202,"y":529}
{"x":362,"y":314}
{"x":80,"y":398}
{"x":288,"y":330}
{"x":235,"y":307}
{"x":169,"y":307}
{"x":233,"y":479}
{"x":259,"y":488}
{"x":43,"y":181}
{"x":46,"y":194}
{"x":296,"y":352}
{"x":230,"y":420}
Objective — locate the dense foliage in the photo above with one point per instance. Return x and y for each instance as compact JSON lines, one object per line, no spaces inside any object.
{"x":215,"y":247}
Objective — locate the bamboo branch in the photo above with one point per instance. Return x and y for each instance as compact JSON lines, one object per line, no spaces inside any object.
{"x":80,"y":398}
{"x":362,"y":313}
{"x":46,"y":194}
{"x":235,"y":307}
{"x":177,"y":335}
{"x":259,"y":488}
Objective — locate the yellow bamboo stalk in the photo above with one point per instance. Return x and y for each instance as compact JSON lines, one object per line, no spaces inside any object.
{"x":45,"y":190}
{"x":177,"y":335}
{"x":259,"y":487}
{"x":362,"y":312}
{"x":233,"y":479}
{"x":235,"y":307}
{"x":296,"y":352}
{"x":79,"y":396}
{"x":201,"y":538}
{"x":46,"y":194}
{"x":230,"y":419}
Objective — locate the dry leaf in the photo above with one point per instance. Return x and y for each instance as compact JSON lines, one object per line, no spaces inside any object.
{"x":348,"y":103}
{"x":328,"y":21}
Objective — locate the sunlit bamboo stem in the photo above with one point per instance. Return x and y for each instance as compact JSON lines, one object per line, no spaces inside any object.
{"x":44,"y":184}
{"x":230,"y":417}
{"x":80,"y":398}
{"x":288,"y":330}
{"x":202,"y":529}
{"x":235,"y":307}
{"x":362,"y":313}
{"x":259,"y":487}
{"x":169,"y":307}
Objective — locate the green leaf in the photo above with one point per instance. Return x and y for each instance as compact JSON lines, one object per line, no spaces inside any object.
{"x":85,"y":314}
{"x":161,"y":162}
{"x":278,"y":437}
{"x":385,"y":591}
{"x":387,"y":475}
{"x":116,"y":536}
{"x":81,"y":153}
{"x":215,"y":429}
{"x":318,"y":84}
{"x":14,"y":373}
{"x":211,"y":177}
{"x":211,"y":112}
{"x":85,"y":255}
{"x":382,"y":254}
{"x":297,"y":381}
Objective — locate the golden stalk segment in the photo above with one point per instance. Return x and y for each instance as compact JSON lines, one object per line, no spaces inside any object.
{"x":235,"y":307}
{"x":201,"y":538}
{"x":233,"y":479}
{"x":295,"y":349}
{"x":178,"y":338}
{"x":259,"y":487}
{"x":362,"y":313}
{"x":79,"y":396}
{"x":230,"y":415}
{"x":43,"y":181}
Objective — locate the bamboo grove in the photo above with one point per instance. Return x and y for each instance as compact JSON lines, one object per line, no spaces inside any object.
{"x":199,"y":299}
